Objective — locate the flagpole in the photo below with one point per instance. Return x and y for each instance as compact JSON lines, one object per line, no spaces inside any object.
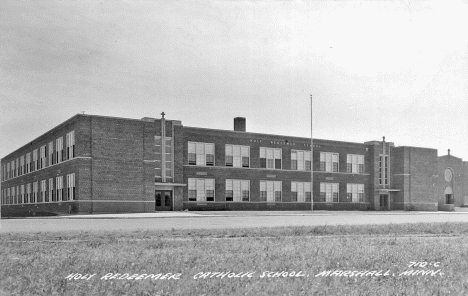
{"x":311,"y":160}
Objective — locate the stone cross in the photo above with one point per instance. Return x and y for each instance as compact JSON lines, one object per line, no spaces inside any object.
{"x":163,"y":114}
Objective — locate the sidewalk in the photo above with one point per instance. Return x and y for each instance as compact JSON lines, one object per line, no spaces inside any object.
{"x":201,"y":214}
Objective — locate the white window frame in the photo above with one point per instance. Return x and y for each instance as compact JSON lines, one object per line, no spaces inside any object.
{"x":35,"y":192}
{"x":237,"y":187}
{"x":35,"y":161}
{"x":51,"y":189}
{"x":201,"y":186}
{"x":28,"y":193}
{"x":355,"y":160}
{"x":59,"y":150}
{"x":22,"y":197}
{"x":384,"y":176}
{"x":13,"y":194}
{"x":271,"y":187}
{"x":329,"y":189}
{"x":329,"y":158}
{"x":28,"y":163}
{"x":17,"y":167}
{"x":70,"y":142}
{"x":51,"y":153}
{"x":70,"y":186}
{"x":301,"y":189}
{"x":271,"y":155}
{"x":42,"y":155}
{"x":356,"y":191}
{"x":59,"y":188}
{"x":301,"y":157}
{"x":201,"y":151}
{"x":21,"y":170}
{"x":43,"y":190}
{"x":237,"y":152}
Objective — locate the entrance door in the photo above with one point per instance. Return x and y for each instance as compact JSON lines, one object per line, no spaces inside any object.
{"x":384,"y":202}
{"x":163,"y":200}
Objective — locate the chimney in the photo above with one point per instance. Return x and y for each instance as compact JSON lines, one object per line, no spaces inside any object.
{"x":239,"y":124}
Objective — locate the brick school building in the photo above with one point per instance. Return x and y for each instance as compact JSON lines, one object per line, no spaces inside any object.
{"x":100,"y":164}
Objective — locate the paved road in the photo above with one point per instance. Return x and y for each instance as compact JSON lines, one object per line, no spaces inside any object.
{"x":219,"y":220}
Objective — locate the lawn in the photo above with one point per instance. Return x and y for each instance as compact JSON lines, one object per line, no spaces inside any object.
{"x":323,"y":260}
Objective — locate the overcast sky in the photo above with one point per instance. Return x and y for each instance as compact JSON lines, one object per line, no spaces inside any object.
{"x":374,"y":68}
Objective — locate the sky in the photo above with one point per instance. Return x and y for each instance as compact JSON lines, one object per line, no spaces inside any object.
{"x":397,"y":69}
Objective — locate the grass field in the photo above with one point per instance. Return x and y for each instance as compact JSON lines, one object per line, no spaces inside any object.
{"x":262,"y":261}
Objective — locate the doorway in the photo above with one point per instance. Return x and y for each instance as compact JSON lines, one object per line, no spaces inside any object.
{"x":384,"y":202}
{"x":163,"y":200}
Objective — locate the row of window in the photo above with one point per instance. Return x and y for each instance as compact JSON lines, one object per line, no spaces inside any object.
{"x":40,"y":191}
{"x":202,"y":154}
{"x":202,"y":190}
{"x":43,"y":157}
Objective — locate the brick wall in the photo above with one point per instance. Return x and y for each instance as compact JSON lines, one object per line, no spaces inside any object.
{"x":255,"y":174}
{"x":76,"y":165}
{"x":415,"y":177}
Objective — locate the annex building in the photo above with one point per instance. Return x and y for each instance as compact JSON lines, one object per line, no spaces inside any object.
{"x":99,"y":164}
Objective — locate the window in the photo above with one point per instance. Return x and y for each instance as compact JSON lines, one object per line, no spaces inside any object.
{"x":329,"y":162}
{"x":13,"y":170}
{"x":300,"y":192}
{"x":42,"y":197}
{"x":35,"y":191}
{"x":383,"y":176}
{"x":28,"y":193}
{"x":59,"y":190}
{"x":42,"y":153}
{"x":50,"y":193}
{"x":70,"y":142}
{"x":35,"y":161}
{"x":71,"y":186}
{"x":17,"y":168}
{"x":28,"y":163}
{"x":8,"y":200}
{"x":8,"y":173}
{"x":329,"y":192}
{"x":355,"y":163}
{"x":201,"y":154}
{"x":355,"y":192}
{"x":300,"y":160}
{"x":270,"y":158}
{"x":270,"y":191}
{"x":237,"y":190}
{"x":51,"y":153}
{"x":59,"y":150}
{"x":21,"y":168}
{"x":158,"y":158}
{"x":201,"y":189}
{"x":13,"y":195}
{"x":237,"y":156}
{"x":168,"y":153}
{"x":22,"y":198}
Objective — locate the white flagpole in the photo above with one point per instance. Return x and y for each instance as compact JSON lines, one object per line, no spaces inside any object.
{"x":311,"y":160}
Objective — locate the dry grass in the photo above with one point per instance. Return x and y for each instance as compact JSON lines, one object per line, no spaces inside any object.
{"x":37,"y":264}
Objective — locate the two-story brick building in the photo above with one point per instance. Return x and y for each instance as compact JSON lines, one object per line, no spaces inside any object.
{"x":98,"y":164}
